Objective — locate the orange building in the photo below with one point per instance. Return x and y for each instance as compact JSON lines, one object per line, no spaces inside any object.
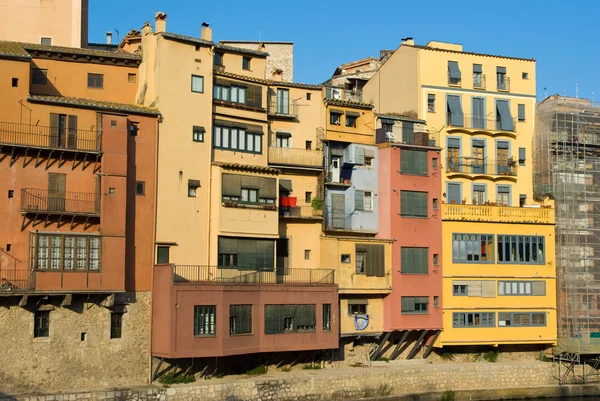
{"x":78,"y":165}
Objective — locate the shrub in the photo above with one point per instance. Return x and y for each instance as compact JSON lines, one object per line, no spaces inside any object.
{"x":383,"y":359}
{"x":174,"y":378}
{"x":311,"y":366}
{"x":259,"y":370}
{"x":447,"y":356}
{"x":448,"y":395}
{"x":491,"y":356}
{"x":384,"y":389}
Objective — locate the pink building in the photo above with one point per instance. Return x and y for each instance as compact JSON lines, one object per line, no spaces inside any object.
{"x":409,"y":213}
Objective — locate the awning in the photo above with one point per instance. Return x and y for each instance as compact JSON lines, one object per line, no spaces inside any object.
{"x":501,"y":70}
{"x":353,"y":114}
{"x":506,"y":119}
{"x":454,"y":70}
{"x":257,"y":129}
{"x":284,"y":134}
{"x":477,"y":68}
{"x":199,"y":128}
{"x":456,"y":113}
{"x":358,"y":302}
{"x":194,"y":183}
{"x":479,"y":143}
{"x":285,"y":185}
{"x":337,"y":152}
{"x":336,"y":111}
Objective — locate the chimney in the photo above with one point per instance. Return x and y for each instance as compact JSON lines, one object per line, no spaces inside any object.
{"x":161,"y":22}
{"x":108,"y":38}
{"x":147,"y":28}
{"x":206,"y":33}
{"x":277,"y":75}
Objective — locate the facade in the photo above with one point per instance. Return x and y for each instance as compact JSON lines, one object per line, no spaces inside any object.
{"x":56,"y":23}
{"x":280,"y":59}
{"x":79,"y":167}
{"x":485,"y":127}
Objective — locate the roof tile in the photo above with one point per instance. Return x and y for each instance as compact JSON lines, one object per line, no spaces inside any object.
{"x":95,"y":104}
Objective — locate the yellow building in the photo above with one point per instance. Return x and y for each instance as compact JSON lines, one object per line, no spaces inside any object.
{"x":498,"y":266}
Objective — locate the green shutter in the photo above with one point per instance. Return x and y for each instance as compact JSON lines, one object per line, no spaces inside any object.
{"x":408,"y":304}
{"x":270,"y":319}
{"x":359,"y":199}
{"x":359,"y":156}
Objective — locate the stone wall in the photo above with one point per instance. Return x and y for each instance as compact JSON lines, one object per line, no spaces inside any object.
{"x":345,"y":383}
{"x":67,"y":359}
{"x":281,"y":56}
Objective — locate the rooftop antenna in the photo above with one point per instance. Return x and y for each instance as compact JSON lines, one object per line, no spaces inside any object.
{"x":260,"y":35}
{"x":545,"y":92}
{"x":576,"y":91}
{"x":118,"y":35}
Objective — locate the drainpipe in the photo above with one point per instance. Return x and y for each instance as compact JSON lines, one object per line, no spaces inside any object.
{"x":208,"y":226}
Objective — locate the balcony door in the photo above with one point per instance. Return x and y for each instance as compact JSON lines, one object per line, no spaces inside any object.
{"x":478,"y":156}
{"x":283,"y":101}
{"x":57,"y":184}
{"x":338,"y":211}
{"x":502,"y":157}
{"x":283,"y":140}
{"x":454,"y":193}
{"x":63,"y":131}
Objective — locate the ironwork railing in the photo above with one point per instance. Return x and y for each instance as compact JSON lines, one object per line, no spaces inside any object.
{"x":49,"y":137}
{"x":503,"y":84}
{"x":471,"y":165}
{"x":302,"y":210}
{"x":295,"y":156}
{"x":229,"y":275}
{"x":283,"y":109}
{"x":501,"y":214}
{"x":479,"y":81}
{"x":16,"y":280}
{"x":473,"y":121}
{"x":35,"y":200}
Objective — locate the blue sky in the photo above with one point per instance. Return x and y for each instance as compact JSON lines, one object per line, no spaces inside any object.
{"x":561,"y":36}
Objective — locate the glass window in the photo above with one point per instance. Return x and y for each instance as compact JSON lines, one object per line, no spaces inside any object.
{"x":198,"y":134}
{"x":41,"y":324}
{"x":116,"y":324}
{"x":357,"y":309}
{"x":197,"y":84}
{"x":326,"y":317}
{"x":162,"y":255}
{"x":368,"y":200}
{"x":218,"y":58}
{"x":240,"y":319}
{"x":291,"y":318}
{"x":474,"y":319}
{"x":95,"y":81}
{"x":205,"y":317}
{"x":431,"y":103}
{"x":521,"y":249}
{"x":472,"y":248}
{"x":246,"y":63}
{"x":39,"y":76}
{"x":351,"y":121}
{"x":414,"y":305}
{"x":360,"y":262}
{"x":335,"y":118}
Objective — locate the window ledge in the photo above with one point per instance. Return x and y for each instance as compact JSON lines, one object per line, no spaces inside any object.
{"x":241,"y":335}
{"x":205,"y":336}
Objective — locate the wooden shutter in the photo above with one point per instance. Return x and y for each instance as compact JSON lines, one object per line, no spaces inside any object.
{"x":359,"y":199}
{"x":474,"y":288}
{"x":270,"y":319}
{"x":488,"y":289}
{"x":538,"y":288}
{"x":408,"y":304}
{"x":454,"y":193}
{"x":53,"y":130}
{"x":98,"y":194}
{"x":232,"y":185}
{"x":408,"y":132}
{"x":375,"y":261}
{"x":56,"y":191}
{"x":72,"y":132}
{"x":254,"y":96}
{"x":338,"y":210}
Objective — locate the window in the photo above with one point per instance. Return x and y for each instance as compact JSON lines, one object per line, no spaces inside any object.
{"x":460,"y":290}
{"x":193,"y":185}
{"x":116,"y":324}
{"x":140,"y":188}
{"x":360,"y":262}
{"x":162,"y":255}
{"x":131,"y":78}
{"x":413,"y":204}
{"x":345,"y":258}
{"x":198,"y":134}
{"x":363,"y":200}
{"x":15,"y":82}
{"x":479,"y":191}
{"x":256,"y":191}
{"x":453,"y":154}
{"x":434,"y":163}
{"x":290,"y":318}
{"x":238,"y":139}
{"x":436,"y":258}
{"x":246,"y":253}
{"x":521,"y":112}
{"x":415,"y":305}
{"x":435,"y":204}
{"x":39,"y":76}
{"x":308,"y":96}
{"x":503,"y":195}
{"x":369,"y":160}
{"x":205,"y":317}
{"x":474,"y":319}
{"x":95,"y":81}
{"x":246,"y":63}
{"x":307,"y":254}
{"x":57,"y":252}
{"x":522,"y":156}
{"x":431,"y":103}
{"x":113,"y":123}
{"x":197,"y":84}
{"x":308,"y":197}
{"x":335,"y":118}
{"x":218,"y":58}
{"x":283,"y":101}
{"x":368,"y":200}
{"x":249,"y":195}
{"x":283,"y":140}
{"x":46,"y":41}
{"x":240,"y":319}
{"x":504,"y":118}
{"x":351,"y":120}
{"x":477,"y":76}
{"x":11,"y":193}
{"x":408,"y":132}
{"x":326,"y":317}
{"x":454,"y":77}
{"x":525,"y":75}
{"x":308,"y":145}
{"x":133,"y":129}
{"x":501,"y":79}
{"x":414,"y":260}
{"x":413,"y":162}
{"x":516,"y":319}
{"x":357,"y":308}
{"x":436,"y":303}
{"x":454,"y":113}
{"x":41,"y":323}
{"x":518,"y":249}
{"x":472,"y":248}
{"x":515,"y":288}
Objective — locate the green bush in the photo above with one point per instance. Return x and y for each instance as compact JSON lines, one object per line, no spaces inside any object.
{"x":317,"y":203}
{"x":383,"y":359}
{"x":259,"y":370}
{"x":491,"y":356}
{"x":311,"y":366}
{"x":174,"y":378}
{"x":384,"y":390}
{"x":448,"y":395}
{"x":447,"y":356}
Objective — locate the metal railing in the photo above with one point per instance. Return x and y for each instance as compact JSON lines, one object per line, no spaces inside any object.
{"x":473,"y":121}
{"x":479,"y":81}
{"x":302,"y":210}
{"x":16,"y":280}
{"x":49,"y":137}
{"x":470,"y":165}
{"x":283,"y":109}
{"x":230,"y":275}
{"x":35,"y":200}
{"x":295,"y":156}
{"x":503,"y":84}
{"x":499,"y":214}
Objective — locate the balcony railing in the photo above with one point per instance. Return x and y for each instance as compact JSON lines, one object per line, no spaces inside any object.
{"x":299,"y":209}
{"x":16,"y":280}
{"x":35,"y":200}
{"x":49,"y":137}
{"x":283,"y":109}
{"x":470,"y":165}
{"x":476,"y":122}
{"x":479,"y":81}
{"x":498,"y":214}
{"x":233,"y":276}
{"x":503,"y":84}
{"x":295,"y":157}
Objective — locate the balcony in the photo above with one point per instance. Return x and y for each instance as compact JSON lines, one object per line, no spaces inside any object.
{"x":479,"y":81}
{"x":295,"y":157}
{"x":37,"y":201}
{"x":43,"y":137}
{"x":480,"y":123}
{"x":195,"y":274}
{"x":503,"y":84}
{"x":476,"y":166}
{"x":497,"y":214}
{"x":281,"y":109}
{"x":16,"y":281}
{"x":290,"y":208}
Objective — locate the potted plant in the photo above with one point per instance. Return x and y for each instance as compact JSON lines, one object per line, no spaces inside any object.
{"x":512,"y":162}
{"x":464,"y":201}
{"x":317,"y":206}
{"x":475,"y":201}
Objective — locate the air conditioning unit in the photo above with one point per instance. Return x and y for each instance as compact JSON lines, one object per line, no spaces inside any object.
{"x":336,"y":94}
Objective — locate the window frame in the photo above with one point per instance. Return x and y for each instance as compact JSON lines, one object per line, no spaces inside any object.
{"x":41,"y":324}
{"x":409,"y":199}
{"x":131,"y":75}
{"x":247,"y":63}
{"x":421,"y":310}
{"x":192,"y":189}
{"x":142,"y":185}
{"x":235,"y":312}
{"x":338,"y":122}
{"x":490,"y":318}
{"x":77,"y":255}
{"x":96,"y":80}
{"x":116,"y":325}
{"x":198,"y":133}
{"x":511,"y":319}
{"x":158,"y":254}
{"x":514,"y":242}
{"x":460,"y":290}
{"x":431,"y":102}
{"x":37,"y":73}
{"x":360,"y":270}
{"x":201,"y":78}
{"x":249,"y":137}
{"x":199,"y":320}
{"x":365,"y":197}
{"x":326,"y":317}
{"x":410,"y":164}
{"x":218,"y":58}
{"x":351,"y":306}
{"x":479,"y":237}
{"x":423,"y":253}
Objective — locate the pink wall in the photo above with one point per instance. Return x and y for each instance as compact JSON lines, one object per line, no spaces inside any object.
{"x":410,"y":232}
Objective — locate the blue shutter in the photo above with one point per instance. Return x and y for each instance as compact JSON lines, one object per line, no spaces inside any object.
{"x":479,"y":143}
{"x":454,"y":193}
{"x":521,"y":112}
{"x":477,"y":68}
{"x":506,"y":120}
{"x":478,"y":112}
{"x":454,"y":70}
{"x":359,"y":200}
{"x":359,"y":156}
{"x":521,"y":156}
{"x":456,"y":113}
{"x":501,"y":70}
{"x":454,"y":143}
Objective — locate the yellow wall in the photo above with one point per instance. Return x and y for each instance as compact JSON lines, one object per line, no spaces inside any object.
{"x":365,"y":126}
{"x":232,"y":63}
{"x":303,"y":235}
{"x":374,"y":310}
